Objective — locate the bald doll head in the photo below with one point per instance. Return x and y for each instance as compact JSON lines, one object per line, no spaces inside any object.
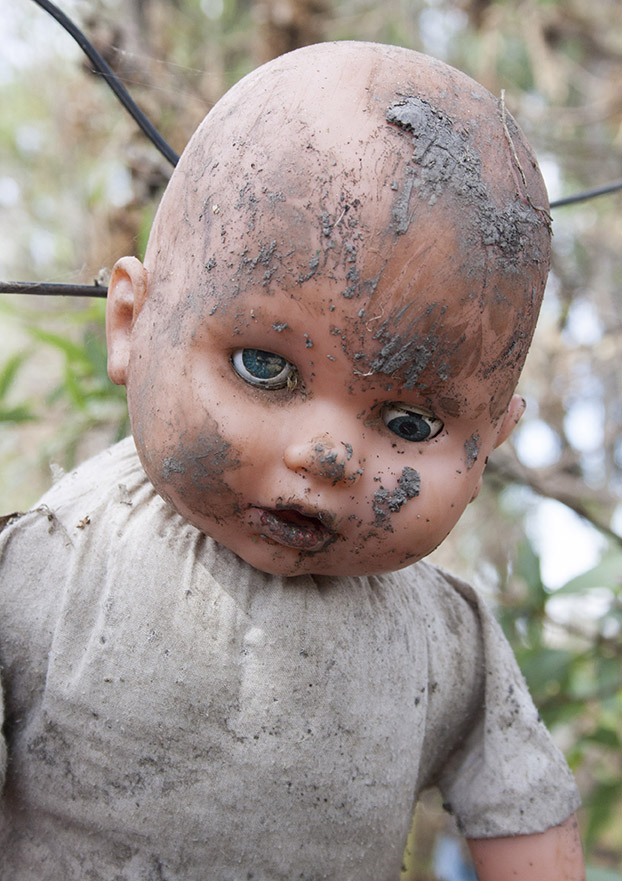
{"x":342,"y":281}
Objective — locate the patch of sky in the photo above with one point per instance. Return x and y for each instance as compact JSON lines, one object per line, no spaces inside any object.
{"x":583,"y":325}
{"x":119,"y":191}
{"x":566,"y":544}
{"x":42,"y":246}
{"x":552,"y":176}
{"x":438,"y":27}
{"x":112,"y":182}
{"x":10,"y":192}
{"x":518,"y":500}
{"x":213,"y":9}
{"x":449,"y":861}
{"x":550,"y":301}
{"x":588,"y":611}
{"x":28,"y":139}
{"x":536,"y":444}
{"x":594,"y":468}
{"x":584,"y":424}
{"x":30,"y":36}
{"x":563,"y":235}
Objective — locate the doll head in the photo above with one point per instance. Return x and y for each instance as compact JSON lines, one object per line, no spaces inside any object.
{"x":337,"y":298}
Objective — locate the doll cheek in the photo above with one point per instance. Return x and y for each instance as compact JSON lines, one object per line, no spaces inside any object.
{"x":196,"y":473}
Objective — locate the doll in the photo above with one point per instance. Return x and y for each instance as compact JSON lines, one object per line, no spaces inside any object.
{"x":223,"y":654}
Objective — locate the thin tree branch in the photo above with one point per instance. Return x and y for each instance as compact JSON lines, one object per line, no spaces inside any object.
{"x":510,"y":471}
{"x":54,"y":290}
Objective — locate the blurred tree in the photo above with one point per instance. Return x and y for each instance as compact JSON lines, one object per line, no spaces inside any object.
{"x":284,"y":25}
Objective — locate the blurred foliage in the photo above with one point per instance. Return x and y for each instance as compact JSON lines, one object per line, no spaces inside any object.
{"x":574,"y":672}
{"x":78,"y":189}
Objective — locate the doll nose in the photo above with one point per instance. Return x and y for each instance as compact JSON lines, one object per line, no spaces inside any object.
{"x":324,"y":458}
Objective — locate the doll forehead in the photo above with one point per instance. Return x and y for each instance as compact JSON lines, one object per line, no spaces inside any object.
{"x":359,"y":212}
{"x":380,"y":118}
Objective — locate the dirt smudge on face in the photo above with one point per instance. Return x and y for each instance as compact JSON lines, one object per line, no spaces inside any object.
{"x":331,"y":463}
{"x":171,"y":466}
{"x":443,"y":159}
{"x":387,"y":503}
{"x":415,"y":342}
{"x":471,"y":450}
{"x":401,"y":211}
{"x":197,"y":473}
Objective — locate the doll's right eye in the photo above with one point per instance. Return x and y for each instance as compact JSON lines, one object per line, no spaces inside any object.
{"x":411,"y":423}
{"x":264,"y":369}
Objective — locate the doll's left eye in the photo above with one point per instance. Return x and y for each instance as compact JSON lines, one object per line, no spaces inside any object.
{"x":263,"y":369}
{"x":411,"y":423}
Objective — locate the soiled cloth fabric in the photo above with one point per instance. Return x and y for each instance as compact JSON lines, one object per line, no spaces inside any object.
{"x":171,"y":713}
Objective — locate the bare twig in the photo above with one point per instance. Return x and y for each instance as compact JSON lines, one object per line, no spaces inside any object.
{"x":510,"y":471}
{"x":54,"y":290}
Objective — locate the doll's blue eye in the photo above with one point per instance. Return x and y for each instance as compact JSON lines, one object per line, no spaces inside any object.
{"x":263,"y":369}
{"x":411,"y":423}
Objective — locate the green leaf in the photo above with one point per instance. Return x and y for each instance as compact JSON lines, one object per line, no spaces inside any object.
{"x":528,"y":565}
{"x":604,"y":736}
{"x":603,"y":801}
{"x":10,"y":371}
{"x":607,"y":573}
{"x":72,"y":351}
{"x":21,"y":413}
{"x":545,"y":667}
{"x":73,"y":389}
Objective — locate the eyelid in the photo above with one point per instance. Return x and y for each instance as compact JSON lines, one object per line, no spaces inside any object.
{"x":402,"y":407}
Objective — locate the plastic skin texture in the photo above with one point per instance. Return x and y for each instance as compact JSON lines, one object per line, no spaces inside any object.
{"x":554,"y":855}
{"x":321,"y":348}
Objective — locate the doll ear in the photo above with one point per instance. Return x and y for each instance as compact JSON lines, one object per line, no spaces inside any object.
{"x":127,"y":292}
{"x":515,"y":410}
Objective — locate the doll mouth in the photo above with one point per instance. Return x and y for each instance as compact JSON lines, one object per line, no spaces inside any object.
{"x":289,"y":527}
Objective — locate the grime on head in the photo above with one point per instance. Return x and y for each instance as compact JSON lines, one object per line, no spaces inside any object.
{"x":338,"y":295}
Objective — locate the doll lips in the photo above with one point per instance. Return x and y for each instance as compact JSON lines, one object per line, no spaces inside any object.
{"x":288,"y":527}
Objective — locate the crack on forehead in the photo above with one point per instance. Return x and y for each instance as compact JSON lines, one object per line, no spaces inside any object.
{"x":444,"y":159}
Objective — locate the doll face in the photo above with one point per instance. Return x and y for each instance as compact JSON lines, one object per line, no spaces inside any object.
{"x":285,"y":428}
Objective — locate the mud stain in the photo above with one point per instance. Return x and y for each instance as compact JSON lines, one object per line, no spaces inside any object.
{"x":331,"y":464}
{"x":387,"y":503}
{"x":197,"y":473}
{"x":443,"y":160}
{"x":471,"y":450}
{"x":421,"y":344}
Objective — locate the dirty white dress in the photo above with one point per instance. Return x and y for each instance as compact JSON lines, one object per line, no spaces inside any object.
{"x":172,"y":714}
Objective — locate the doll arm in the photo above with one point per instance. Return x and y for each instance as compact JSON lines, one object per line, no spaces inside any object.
{"x":554,"y":855}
